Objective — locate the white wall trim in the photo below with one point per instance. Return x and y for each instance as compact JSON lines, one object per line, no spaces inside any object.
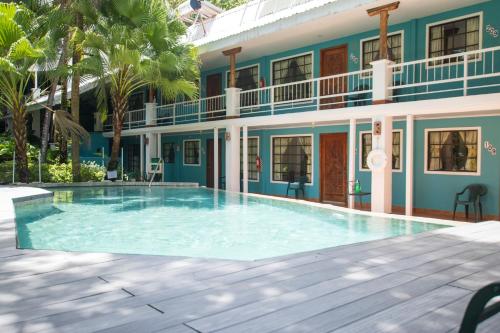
{"x":453,"y":173}
{"x":291,"y":57}
{"x":271,"y":164}
{"x":401,"y":150}
{"x":429,"y":25}
{"x":258,"y":154}
{"x":361,"y":53}
{"x":184,"y":152}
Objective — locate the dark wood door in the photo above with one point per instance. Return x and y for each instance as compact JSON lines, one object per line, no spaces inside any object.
{"x":333,"y":160}
{"x":214,"y":88}
{"x":210,"y":162}
{"x":333,"y":62}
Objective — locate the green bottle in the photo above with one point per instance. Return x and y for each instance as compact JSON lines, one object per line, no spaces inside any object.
{"x":357,"y":186}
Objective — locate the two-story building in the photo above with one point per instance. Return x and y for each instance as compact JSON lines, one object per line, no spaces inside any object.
{"x":403,"y":97}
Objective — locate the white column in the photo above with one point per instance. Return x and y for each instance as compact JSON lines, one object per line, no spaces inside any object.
{"x":382,"y":177}
{"x":409,"y":164}
{"x":232,"y":102}
{"x":158,"y":146}
{"x":245,"y":159}
{"x":352,"y":160}
{"x":151,"y":149}
{"x":150,"y":114}
{"x":382,"y":80}
{"x":142,"y":155}
{"x":233,"y":158}
{"x":216,"y":159}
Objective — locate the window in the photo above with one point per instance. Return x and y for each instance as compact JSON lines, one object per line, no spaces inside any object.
{"x":454,"y":37}
{"x":136,"y":101}
{"x":371,"y":49}
{"x":169,"y":152}
{"x":253,"y":152}
{"x":452,"y":150}
{"x":292,"y":70}
{"x":247,"y":79}
{"x":291,"y":158}
{"x":366,"y":148}
{"x":192,"y":152}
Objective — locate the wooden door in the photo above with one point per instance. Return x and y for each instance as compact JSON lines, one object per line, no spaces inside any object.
{"x":214,"y":88}
{"x":333,"y":161}
{"x":210,"y":162}
{"x":333,"y":62}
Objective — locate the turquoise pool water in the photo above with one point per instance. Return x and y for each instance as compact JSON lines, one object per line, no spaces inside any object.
{"x":193,"y":222}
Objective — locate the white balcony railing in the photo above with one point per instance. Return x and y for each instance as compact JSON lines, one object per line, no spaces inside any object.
{"x":474,"y":72}
{"x":329,"y":92}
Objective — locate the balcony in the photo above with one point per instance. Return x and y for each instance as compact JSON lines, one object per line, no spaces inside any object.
{"x":463,"y":74}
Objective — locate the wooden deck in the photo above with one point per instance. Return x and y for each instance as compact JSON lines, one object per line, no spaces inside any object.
{"x":411,"y":284}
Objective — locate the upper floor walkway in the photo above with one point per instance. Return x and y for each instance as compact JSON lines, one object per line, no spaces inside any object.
{"x":463,"y":74}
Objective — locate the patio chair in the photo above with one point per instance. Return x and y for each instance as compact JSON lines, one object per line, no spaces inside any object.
{"x":477,"y":312}
{"x":297,"y":186}
{"x":475,"y":192}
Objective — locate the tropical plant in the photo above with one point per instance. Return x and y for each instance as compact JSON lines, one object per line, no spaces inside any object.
{"x":18,"y":55}
{"x":134,"y":44}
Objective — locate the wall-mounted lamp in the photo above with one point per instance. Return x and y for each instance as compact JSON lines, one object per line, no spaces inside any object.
{"x":228,"y":136}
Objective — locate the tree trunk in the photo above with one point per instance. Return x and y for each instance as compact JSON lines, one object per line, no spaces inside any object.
{"x":120,"y":106}
{"x":152,"y":95}
{"x":63,"y":143}
{"x":50,"y":101}
{"x":21,"y":140}
{"x":75,"y":105}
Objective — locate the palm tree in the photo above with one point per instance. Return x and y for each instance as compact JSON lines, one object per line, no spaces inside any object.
{"x":134,"y":44}
{"x":18,"y":55}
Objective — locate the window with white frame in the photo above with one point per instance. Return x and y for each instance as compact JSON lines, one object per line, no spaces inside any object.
{"x":192,"y":152}
{"x":247,"y":78}
{"x":253,"y":152}
{"x":366,"y":148}
{"x":291,"y":158}
{"x":294,"y":69}
{"x":371,"y":49}
{"x":454,"y":37}
{"x":453,"y":150}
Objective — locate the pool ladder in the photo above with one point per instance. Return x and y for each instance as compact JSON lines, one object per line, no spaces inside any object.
{"x":160,"y":162}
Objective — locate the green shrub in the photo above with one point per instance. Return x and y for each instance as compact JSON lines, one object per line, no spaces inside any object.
{"x":91,"y":171}
{"x":60,"y":173}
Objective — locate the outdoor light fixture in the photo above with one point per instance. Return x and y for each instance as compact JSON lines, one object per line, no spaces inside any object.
{"x":228,"y":136}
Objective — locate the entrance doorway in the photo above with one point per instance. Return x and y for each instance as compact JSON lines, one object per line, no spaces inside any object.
{"x":333,"y":164}
{"x":333,"y":62}
{"x":214,"y":88}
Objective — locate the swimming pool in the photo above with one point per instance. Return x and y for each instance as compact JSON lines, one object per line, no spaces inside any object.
{"x":194,"y":222}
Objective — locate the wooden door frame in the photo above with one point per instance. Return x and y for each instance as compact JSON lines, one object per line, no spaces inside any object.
{"x":321,"y":160}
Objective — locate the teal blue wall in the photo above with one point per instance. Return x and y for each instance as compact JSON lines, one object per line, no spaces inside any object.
{"x":414,"y":42}
{"x":431,"y":191}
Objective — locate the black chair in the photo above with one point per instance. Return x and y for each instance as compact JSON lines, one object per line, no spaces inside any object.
{"x":297,"y":186}
{"x":475,"y":192}
{"x":477,"y":312}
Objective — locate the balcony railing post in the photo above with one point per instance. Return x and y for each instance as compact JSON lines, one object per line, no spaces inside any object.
{"x":151,"y":114}
{"x":318,"y":93}
{"x":382,"y":80}
{"x":466,"y":74}
{"x":272,"y":100}
{"x":232,"y":102}
{"x":173,"y":113}
{"x":199,"y":110}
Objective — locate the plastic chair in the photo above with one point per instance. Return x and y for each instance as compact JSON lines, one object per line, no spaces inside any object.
{"x":297,"y":186}
{"x":477,"y":311}
{"x":475,"y":192}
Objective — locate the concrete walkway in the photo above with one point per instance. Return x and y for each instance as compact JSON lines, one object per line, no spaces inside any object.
{"x":408,"y":284}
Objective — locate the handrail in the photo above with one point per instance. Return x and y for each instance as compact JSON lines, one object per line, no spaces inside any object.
{"x":160,"y":161}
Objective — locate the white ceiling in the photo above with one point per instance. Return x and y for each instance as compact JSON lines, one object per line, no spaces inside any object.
{"x":290,"y":33}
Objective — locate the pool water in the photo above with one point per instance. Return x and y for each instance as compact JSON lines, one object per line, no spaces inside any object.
{"x":193,"y":222}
